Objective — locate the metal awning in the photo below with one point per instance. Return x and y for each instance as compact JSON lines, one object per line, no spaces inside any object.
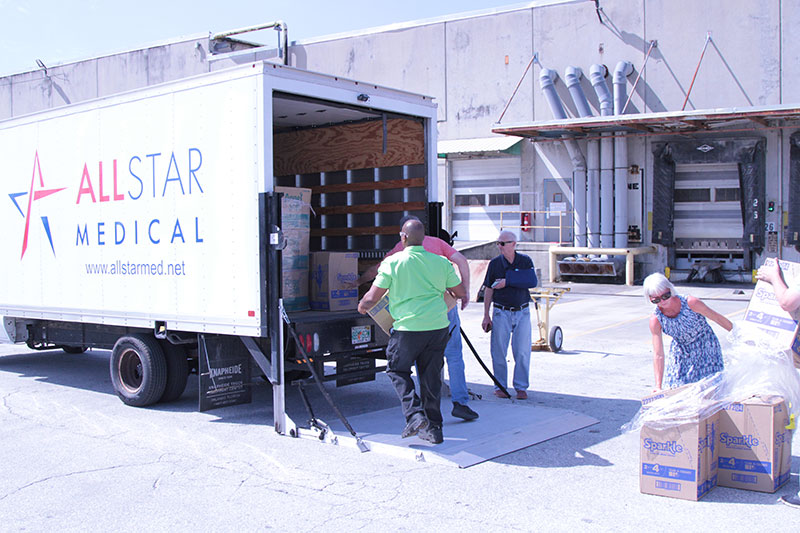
{"x":499,"y":143}
{"x":666,"y":123}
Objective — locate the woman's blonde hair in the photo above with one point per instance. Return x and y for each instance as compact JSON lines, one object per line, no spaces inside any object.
{"x":656,"y":285}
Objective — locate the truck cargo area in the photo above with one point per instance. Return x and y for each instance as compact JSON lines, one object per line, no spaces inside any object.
{"x":173,"y":255}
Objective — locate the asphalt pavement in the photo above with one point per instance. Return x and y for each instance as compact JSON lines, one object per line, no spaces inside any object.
{"x":75,"y":458}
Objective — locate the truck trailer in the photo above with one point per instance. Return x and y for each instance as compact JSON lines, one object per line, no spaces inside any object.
{"x":149,"y":223}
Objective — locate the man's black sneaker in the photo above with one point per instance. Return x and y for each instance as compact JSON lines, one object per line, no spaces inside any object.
{"x":463,"y":411}
{"x":792,"y":501}
{"x":416,"y":423}
{"x":432,"y":434}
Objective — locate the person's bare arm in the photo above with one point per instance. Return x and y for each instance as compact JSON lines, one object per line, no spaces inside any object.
{"x":697,"y":305}
{"x":373,"y":296}
{"x":788,"y":299}
{"x":658,"y":352}
{"x":463,"y":269}
{"x":487,"y":303}
{"x":368,"y":275}
{"x":459,"y":292}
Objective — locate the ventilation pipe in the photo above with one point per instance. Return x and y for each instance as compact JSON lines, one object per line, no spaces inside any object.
{"x":621,"y":73}
{"x":572,"y":77}
{"x":547,"y":78}
{"x":597,"y":75}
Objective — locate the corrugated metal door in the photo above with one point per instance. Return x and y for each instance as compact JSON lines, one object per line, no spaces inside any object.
{"x":708,"y":214}
{"x":482,"y":189}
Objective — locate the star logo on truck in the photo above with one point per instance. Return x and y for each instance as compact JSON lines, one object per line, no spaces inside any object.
{"x":34,"y":194}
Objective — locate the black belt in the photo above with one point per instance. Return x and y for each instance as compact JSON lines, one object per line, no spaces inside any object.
{"x":509,"y":308}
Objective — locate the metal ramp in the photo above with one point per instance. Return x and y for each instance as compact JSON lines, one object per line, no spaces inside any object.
{"x":503,"y":427}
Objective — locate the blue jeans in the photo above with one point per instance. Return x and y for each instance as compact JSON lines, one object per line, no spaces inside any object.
{"x":514,"y":326}
{"x":455,"y":361}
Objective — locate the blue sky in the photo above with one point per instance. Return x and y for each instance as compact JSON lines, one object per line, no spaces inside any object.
{"x":58,"y":31}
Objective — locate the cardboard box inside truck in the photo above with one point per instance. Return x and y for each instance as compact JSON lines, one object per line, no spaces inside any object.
{"x":765,"y":314}
{"x":296,"y":227}
{"x":755,"y":448}
{"x":330,"y":274}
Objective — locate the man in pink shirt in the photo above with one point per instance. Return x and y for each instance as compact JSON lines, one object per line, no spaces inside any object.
{"x":452,"y":352}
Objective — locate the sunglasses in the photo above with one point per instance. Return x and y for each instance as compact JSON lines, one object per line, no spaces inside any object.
{"x":503,"y":243}
{"x":663,"y":298}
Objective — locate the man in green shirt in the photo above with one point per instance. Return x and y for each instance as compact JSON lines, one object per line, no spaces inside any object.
{"x":416,"y":280}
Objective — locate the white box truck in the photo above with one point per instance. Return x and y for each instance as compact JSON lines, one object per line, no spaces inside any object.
{"x":147,"y":223}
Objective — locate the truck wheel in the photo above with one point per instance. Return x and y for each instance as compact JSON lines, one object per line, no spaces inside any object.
{"x":556,"y":339}
{"x":177,"y":371}
{"x":73,"y":349}
{"x":138,"y":370}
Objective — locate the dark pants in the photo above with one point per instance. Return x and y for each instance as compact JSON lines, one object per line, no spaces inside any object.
{"x":426,"y":350}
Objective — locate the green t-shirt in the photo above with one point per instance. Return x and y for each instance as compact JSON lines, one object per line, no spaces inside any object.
{"x":416,"y":280}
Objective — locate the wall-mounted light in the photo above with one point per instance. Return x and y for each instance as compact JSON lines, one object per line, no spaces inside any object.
{"x":363,"y":97}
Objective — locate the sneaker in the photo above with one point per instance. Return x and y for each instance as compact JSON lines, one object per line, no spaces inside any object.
{"x":415,"y":424}
{"x":432,"y":434}
{"x":522,"y":395}
{"x":792,"y":501}
{"x":464,"y":412}
{"x":501,"y":394}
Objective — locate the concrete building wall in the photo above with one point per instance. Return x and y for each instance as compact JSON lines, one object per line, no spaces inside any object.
{"x":741,"y":65}
{"x":411,"y":59}
{"x":479,"y":82}
{"x":32,"y":91}
{"x":789,"y":18}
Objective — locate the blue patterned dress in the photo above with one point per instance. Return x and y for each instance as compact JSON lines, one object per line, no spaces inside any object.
{"x":694,"y":352}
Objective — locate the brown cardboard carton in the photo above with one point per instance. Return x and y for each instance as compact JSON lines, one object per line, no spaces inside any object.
{"x":680,"y":460}
{"x":664,"y":393}
{"x":380,"y":311}
{"x":765,"y":314}
{"x":331,"y":274}
{"x":296,"y":228}
{"x":755,"y":448}
{"x":380,"y":314}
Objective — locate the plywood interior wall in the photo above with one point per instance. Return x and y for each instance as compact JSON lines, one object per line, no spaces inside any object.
{"x":349,"y":147}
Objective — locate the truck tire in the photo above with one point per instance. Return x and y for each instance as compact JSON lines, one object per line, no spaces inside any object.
{"x":177,"y":371}
{"x":73,"y":349}
{"x":138,"y":370}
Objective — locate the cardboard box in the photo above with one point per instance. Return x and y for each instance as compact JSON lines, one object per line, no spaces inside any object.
{"x":765,"y":314}
{"x":679,"y":461}
{"x":296,"y":228}
{"x":664,"y":393}
{"x":380,"y":311}
{"x":755,"y":448}
{"x":380,"y":314}
{"x":330,"y":274}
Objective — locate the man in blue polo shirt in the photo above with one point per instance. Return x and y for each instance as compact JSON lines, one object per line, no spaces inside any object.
{"x":416,"y":280}
{"x":509,"y":277}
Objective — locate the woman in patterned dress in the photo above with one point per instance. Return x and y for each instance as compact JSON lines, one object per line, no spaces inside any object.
{"x":695,"y":351}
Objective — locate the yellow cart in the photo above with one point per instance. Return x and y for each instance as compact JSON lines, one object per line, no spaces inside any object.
{"x":555,"y":338}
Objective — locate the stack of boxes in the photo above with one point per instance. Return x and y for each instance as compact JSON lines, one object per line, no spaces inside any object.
{"x":746,"y":444}
{"x":316,"y":280}
{"x":296,"y":227}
